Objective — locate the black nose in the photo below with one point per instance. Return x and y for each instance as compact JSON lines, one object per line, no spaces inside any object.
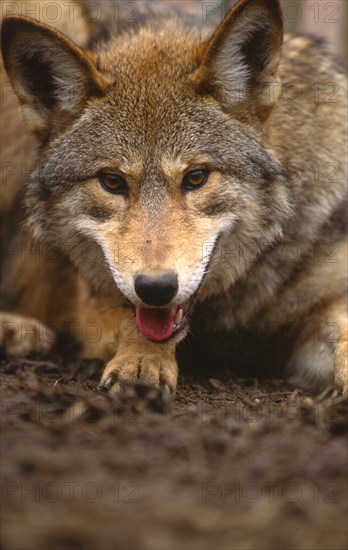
{"x":157,"y":290}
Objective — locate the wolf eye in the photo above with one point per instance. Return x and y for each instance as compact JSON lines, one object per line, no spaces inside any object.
{"x":113,"y":183}
{"x":195,"y":179}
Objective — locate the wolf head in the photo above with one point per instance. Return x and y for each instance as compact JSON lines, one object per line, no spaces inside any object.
{"x":153,"y":152}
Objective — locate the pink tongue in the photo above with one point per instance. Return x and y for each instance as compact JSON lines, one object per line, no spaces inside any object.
{"x":156,"y":324}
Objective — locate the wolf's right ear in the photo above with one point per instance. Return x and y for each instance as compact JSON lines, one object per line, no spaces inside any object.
{"x":51,"y":76}
{"x":239,"y":64}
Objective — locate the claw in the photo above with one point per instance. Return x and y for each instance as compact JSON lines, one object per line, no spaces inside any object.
{"x":166,"y":389}
{"x":107,"y":385}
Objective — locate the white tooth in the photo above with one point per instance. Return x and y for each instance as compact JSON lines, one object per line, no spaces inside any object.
{"x":179,"y":316}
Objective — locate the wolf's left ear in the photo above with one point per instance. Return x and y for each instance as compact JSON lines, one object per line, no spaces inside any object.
{"x":52,"y":77}
{"x":240,"y":62}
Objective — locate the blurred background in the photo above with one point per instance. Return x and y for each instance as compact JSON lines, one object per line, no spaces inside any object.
{"x":322,"y":18}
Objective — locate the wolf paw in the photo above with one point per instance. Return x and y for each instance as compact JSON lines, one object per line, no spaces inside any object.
{"x":20,"y":335}
{"x":312,"y":366}
{"x":154,"y":369}
{"x":341,"y":365}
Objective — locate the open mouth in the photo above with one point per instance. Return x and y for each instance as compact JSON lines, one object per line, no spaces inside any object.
{"x":161,"y":324}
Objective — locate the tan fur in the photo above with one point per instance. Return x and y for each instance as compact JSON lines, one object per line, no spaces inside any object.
{"x":261,"y":245}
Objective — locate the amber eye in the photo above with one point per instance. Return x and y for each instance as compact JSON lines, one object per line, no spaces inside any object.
{"x":113,"y":183}
{"x":195,"y":179}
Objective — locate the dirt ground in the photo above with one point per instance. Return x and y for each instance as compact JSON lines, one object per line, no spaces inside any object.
{"x":229,"y":463}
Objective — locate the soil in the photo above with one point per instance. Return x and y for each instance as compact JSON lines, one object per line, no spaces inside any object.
{"x":229,"y":463}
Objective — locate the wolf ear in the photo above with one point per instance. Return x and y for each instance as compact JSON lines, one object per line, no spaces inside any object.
{"x":51,"y":76}
{"x":240,"y":62}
